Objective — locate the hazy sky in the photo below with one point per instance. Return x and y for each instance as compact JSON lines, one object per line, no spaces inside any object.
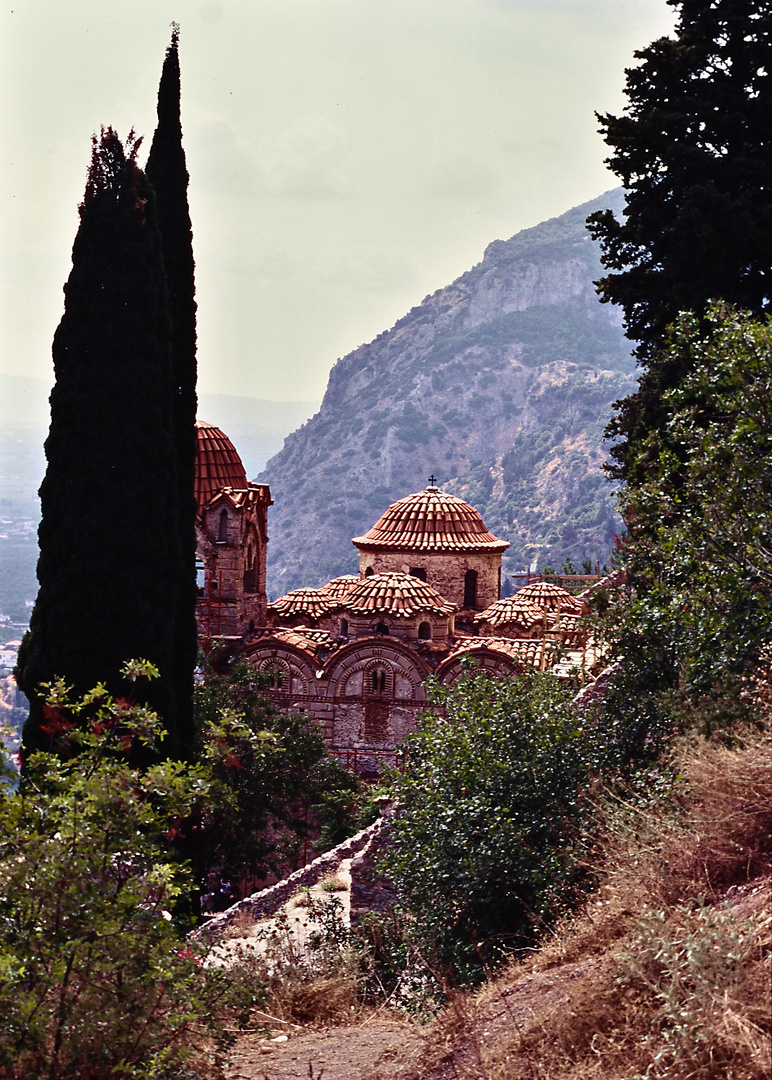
{"x":347,"y":157}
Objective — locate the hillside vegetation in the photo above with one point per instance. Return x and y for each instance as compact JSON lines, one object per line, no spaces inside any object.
{"x":500,"y":384}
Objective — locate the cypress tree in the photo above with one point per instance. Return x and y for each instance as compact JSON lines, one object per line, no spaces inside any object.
{"x":108,"y":534}
{"x":166,"y":170}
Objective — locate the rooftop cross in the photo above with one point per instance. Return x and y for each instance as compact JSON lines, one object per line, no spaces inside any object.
{"x":432,"y":479}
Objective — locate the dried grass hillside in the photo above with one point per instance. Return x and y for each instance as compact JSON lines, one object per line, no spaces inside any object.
{"x":663,"y":973}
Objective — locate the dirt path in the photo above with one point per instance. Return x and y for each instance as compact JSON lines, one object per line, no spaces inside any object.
{"x":374,"y":1050}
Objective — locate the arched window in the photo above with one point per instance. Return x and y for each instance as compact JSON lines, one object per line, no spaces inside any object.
{"x":425,"y":632}
{"x":222,"y":532}
{"x":344,"y":627}
{"x":470,"y":589}
{"x":378,"y":680}
{"x":382,"y":628}
{"x":369,"y":571}
{"x":419,"y":572}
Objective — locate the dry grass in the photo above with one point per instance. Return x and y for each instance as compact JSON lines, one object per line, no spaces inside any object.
{"x":323,"y":1001}
{"x":665,"y":974}
{"x":333,"y":883}
{"x":242,"y":926}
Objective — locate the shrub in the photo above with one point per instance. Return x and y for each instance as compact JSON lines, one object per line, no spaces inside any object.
{"x":96,"y":977}
{"x":486,"y":844}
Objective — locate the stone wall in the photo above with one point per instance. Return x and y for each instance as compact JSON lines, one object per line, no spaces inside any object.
{"x":445,"y":571}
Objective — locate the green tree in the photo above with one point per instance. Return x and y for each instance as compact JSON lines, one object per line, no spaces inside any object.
{"x":97,"y":977}
{"x":274,"y":785}
{"x":694,"y":153}
{"x":167,"y":173}
{"x":699,"y":526}
{"x":487,"y":842}
{"x":109,"y":550}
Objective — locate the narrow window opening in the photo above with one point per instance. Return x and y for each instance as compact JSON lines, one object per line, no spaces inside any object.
{"x":369,"y":571}
{"x":425,"y":632}
{"x":470,"y":589}
{"x":382,"y":628}
{"x":344,"y":627}
{"x":419,"y":572}
{"x":222,"y":532}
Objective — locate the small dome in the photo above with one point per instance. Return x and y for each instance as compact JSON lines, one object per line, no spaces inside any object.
{"x":549,"y":597}
{"x":303,"y":601}
{"x":430,"y":520}
{"x":218,"y":464}
{"x":511,"y":610}
{"x":340,"y":587}
{"x":397,"y":594}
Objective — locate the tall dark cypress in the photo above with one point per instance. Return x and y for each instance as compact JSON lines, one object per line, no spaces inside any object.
{"x":166,"y":170}
{"x":108,"y":534}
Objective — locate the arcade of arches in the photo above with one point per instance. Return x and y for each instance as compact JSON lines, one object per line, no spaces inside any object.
{"x":355,"y":653}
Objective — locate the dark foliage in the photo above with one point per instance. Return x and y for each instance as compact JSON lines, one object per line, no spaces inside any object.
{"x":694,"y":152}
{"x":273,"y":784}
{"x":166,"y":170}
{"x":108,"y":535}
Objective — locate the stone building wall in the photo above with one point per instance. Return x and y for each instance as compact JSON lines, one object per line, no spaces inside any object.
{"x":446,"y":572}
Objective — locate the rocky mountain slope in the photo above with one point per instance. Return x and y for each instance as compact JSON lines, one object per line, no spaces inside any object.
{"x":500,"y":385}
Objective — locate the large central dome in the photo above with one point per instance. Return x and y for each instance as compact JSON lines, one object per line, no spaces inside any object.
{"x":430,"y":520}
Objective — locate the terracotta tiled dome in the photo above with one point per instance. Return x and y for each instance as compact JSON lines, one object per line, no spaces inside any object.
{"x":529,"y":652}
{"x":511,"y":610}
{"x":549,"y":597}
{"x":218,"y":464}
{"x":430,"y":520}
{"x":397,"y":594}
{"x":303,"y":601}
{"x":340,"y":587}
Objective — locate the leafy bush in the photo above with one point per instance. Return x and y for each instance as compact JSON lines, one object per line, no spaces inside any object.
{"x":96,"y":977}
{"x":272,"y":779}
{"x":487,"y":843}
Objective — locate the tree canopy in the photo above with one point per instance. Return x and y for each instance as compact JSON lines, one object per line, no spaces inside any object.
{"x":694,"y":153}
{"x":167,"y":173}
{"x":109,"y":539}
{"x":699,"y":525}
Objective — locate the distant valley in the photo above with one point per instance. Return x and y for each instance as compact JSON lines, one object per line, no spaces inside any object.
{"x":257,"y":428}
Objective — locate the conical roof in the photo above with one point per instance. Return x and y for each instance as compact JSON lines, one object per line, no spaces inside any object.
{"x":218,"y":464}
{"x":302,"y":601}
{"x":430,"y":520}
{"x":395,"y":594}
{"x":340,"y":587}
{"x":549,"y":597}
{"x":509,"y":610}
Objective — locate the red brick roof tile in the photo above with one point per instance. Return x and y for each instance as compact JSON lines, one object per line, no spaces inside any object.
{"x":340,"y":587}
{"x":511,"y":610}
{"x":395,"y":594}
{"x":430,"y":520}
{"x":218,"y":464}
{"x":303,"y":601}
{"x":550,"y":597}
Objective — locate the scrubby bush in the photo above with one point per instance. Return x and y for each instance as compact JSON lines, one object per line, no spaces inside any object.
{"x":487,"y":843}
{"x":97,"y":978}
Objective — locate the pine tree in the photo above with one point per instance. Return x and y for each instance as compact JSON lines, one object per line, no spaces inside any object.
{"x":108,"y":534}
{"x":166,"y":170}
{"x":694,"y":152}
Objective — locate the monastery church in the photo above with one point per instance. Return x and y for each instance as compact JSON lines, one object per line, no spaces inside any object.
{"x":355,"y":653}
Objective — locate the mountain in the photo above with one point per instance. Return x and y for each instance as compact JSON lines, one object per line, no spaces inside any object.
{"x":500,"y":385}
